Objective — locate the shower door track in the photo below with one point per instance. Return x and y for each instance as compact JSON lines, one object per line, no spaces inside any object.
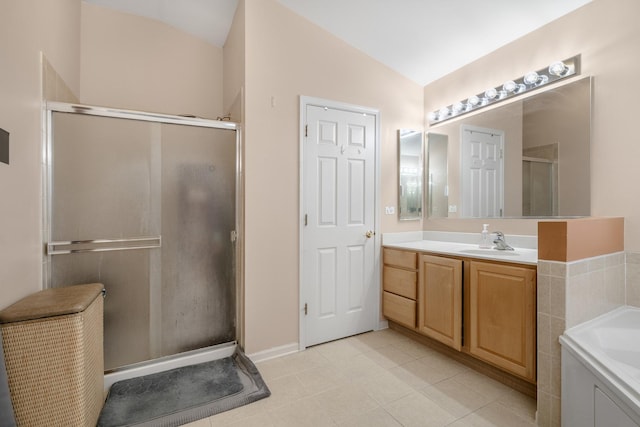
{"x":166,"y":363}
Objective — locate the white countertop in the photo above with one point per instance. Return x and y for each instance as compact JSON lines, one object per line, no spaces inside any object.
{"x":468,"y":250}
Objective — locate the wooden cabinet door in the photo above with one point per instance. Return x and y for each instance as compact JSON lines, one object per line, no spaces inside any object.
{"x":440,"y":299}
{"x":502,"y":320}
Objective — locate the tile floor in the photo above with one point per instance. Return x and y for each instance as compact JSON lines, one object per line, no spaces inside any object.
{"x":377,"y":379}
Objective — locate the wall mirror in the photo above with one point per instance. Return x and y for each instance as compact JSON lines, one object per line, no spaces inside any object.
{"x":410,"y":165}
{"x":529,"y":158}
{"x":437,"y":187}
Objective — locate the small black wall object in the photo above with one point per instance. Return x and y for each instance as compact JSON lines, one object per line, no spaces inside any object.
{"x":4,"y":146}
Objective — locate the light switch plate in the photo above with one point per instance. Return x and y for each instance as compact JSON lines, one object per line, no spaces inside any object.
{"x":4,"y":146}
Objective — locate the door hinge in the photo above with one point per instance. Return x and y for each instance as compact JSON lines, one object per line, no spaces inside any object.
{"x":306,"y":309}
{"x":306,"y":131}
{"x":306,"y":219}
{"x":501,"y":153}
{"x":234,"y":235}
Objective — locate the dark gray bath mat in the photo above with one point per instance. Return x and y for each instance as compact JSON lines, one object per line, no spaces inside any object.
{"x":183,"y":395}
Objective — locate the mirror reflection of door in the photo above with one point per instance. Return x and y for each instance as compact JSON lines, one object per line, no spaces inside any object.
{"x":482,"y":172}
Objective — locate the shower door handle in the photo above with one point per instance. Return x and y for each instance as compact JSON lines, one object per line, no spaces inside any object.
{"x":103,"y":245}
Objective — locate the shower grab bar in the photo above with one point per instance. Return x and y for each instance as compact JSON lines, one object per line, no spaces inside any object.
{"x":103,"y":245}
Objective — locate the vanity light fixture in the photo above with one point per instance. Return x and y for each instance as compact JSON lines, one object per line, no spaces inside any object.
{"x":530,"y":81}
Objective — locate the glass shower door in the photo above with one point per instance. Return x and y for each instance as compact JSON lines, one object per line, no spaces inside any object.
{"x":147,"y":209}
{"x":197,"y":290}
{"x":539,"y":187}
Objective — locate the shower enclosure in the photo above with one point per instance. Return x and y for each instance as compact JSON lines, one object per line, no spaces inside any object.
{"x":539,"y":187}
{"x":146,"y":204}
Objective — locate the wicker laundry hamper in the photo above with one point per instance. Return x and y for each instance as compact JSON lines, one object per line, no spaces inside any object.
{"x":53,"y":352}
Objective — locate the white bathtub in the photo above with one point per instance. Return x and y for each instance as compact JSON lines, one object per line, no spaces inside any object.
{"x":601,"y":371}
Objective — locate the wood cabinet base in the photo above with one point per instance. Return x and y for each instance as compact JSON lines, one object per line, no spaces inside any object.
{"x":499,"y":375}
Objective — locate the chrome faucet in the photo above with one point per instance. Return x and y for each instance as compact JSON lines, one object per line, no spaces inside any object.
{"x":501,"y":245}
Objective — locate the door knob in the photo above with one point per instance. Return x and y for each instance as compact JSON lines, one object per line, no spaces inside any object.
{"x":369,"y":234}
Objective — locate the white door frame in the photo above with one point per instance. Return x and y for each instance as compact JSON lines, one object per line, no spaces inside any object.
{"x":304,"y":102}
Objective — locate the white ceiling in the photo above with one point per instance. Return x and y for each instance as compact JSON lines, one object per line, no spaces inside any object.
{"x":421,"y":39}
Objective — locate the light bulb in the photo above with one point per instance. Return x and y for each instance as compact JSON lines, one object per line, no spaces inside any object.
{"x":457,"y":107}
{"x":432,"y":116}
{"x":509,"y":86}
{"x":531,"y":78}
{"x":474,"y":100}
{"x":491,"y":93}
{"x":558,"y":68}
{"x":443,"y":113}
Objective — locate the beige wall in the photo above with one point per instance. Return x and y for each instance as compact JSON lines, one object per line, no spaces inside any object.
{"x":28,"y":28}
{"x":301,"y":59}
{"x":606,"y":33}
{"x":141,"y":64}
{"x":233,"y":66}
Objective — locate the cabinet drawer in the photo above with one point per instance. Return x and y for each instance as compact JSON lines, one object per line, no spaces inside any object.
{"x":401,"y":282}
{"x":399,"y":309}
{"x":400,"y":258}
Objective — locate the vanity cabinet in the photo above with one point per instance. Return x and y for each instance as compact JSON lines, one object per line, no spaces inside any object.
{"x":502,"y":316}
{"x":485,"y":310}
{"x":399,"y":285}
{"x":440,"y":299}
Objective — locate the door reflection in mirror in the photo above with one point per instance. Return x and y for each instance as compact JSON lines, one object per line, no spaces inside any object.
{"x":482,"y":172}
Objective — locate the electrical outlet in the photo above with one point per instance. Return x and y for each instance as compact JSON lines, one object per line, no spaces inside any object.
{"x":453,"y":208}
{"x":390,"y":210}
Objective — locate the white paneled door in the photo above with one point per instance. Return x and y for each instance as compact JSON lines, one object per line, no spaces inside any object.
{"x":338,"y":207}
{"x":482,"y":172}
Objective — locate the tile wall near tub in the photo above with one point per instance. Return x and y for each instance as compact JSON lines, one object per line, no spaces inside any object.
{"x":581,"y":274}
{"x":570,"y":293}
{"x":633,"y":279}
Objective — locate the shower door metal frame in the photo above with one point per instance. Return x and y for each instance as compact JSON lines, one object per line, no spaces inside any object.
{"x":49,"y":247}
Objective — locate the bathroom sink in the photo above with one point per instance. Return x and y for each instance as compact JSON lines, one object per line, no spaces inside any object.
{"x":489,"y":252}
